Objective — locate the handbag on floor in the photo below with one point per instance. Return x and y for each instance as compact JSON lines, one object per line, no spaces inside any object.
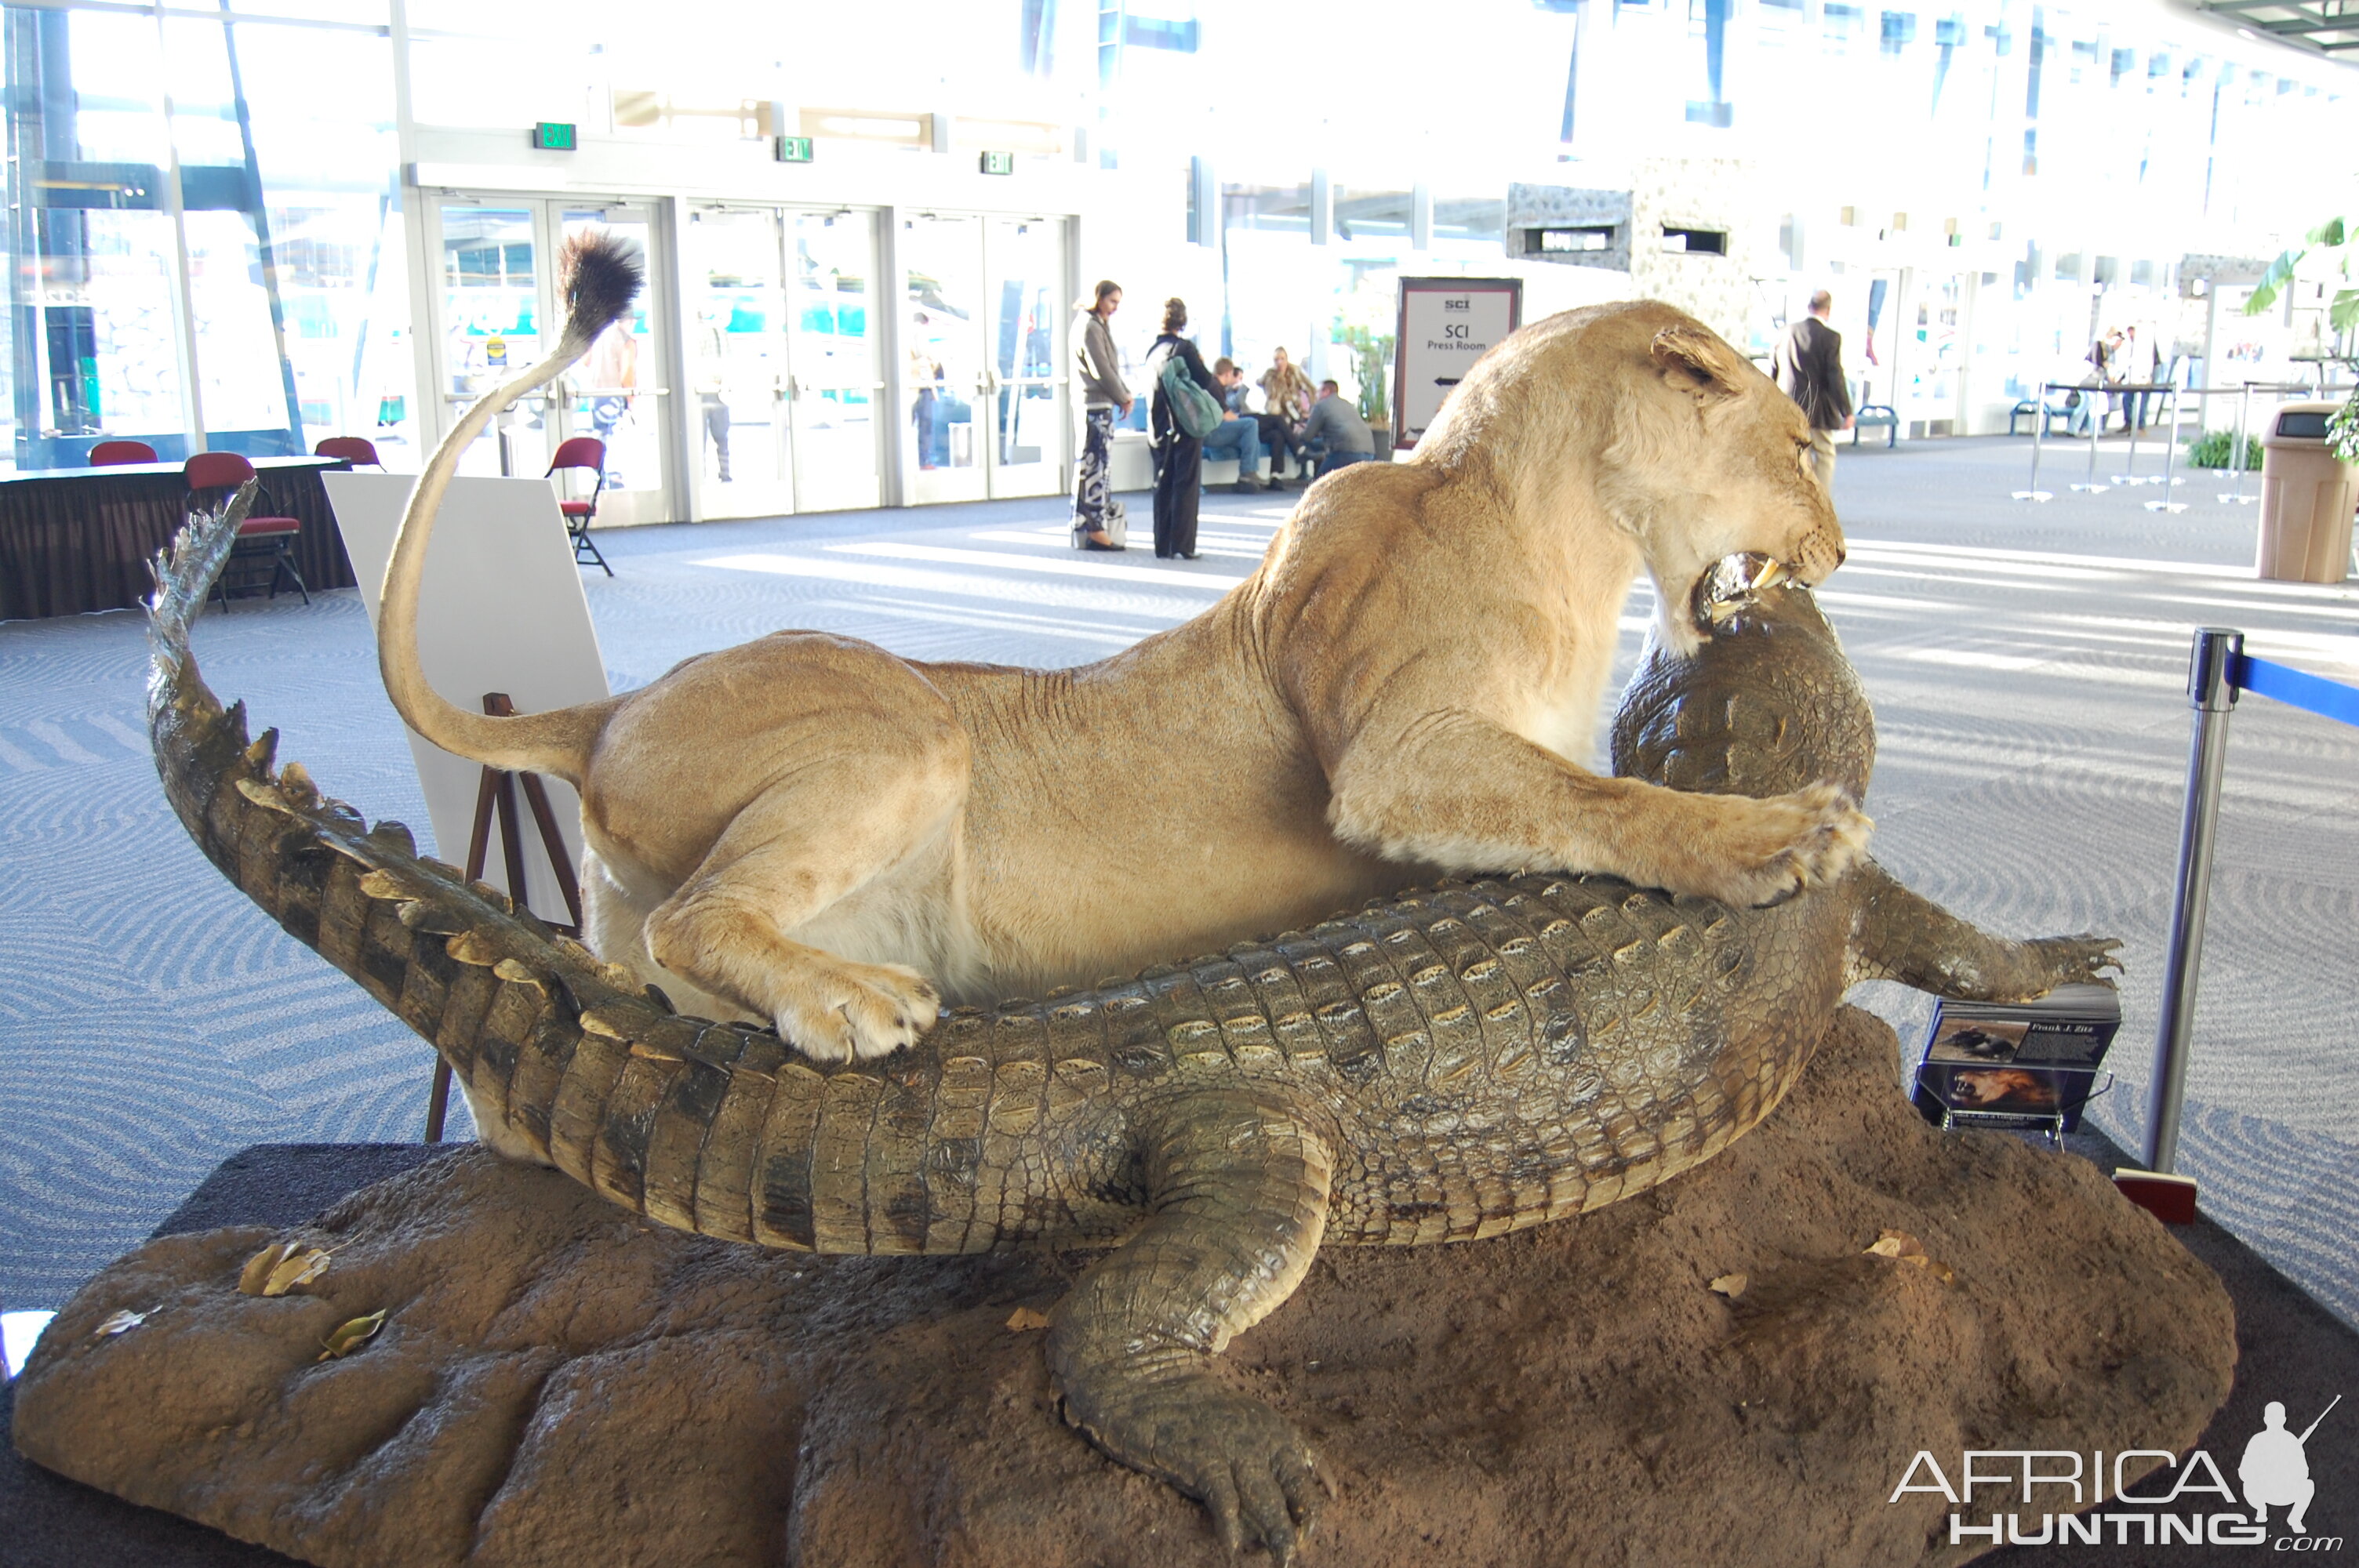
{"x":1116,"y":527}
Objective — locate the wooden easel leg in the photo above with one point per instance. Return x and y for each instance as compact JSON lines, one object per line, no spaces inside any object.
{"x":438,"y":1101}
{"x":544,"y":817}
{"x":497,"y":792}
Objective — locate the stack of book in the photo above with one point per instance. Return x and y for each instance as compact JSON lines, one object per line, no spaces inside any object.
{"x":2030,"y":1064}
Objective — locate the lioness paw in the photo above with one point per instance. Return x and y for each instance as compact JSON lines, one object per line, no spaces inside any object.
{"x":854,"y":1013}
{"x":1765,"y":851}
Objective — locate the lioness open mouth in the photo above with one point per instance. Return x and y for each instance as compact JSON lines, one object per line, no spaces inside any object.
{"x":1735,"y":581}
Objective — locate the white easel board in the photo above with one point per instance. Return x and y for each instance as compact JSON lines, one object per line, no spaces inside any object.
{"x":501,"y":609}
{"x":1446,"y":324}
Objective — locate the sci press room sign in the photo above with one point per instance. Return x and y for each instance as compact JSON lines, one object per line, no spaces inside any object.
{"x":1446,"y":324}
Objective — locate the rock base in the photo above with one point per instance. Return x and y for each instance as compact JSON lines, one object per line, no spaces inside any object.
{"x":559,"y":1383}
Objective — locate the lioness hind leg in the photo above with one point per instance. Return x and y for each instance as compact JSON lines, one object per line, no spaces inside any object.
{"x":792,"y":857}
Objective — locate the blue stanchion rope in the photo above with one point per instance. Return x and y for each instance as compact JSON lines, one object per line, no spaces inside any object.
{"x":2296,"y":688}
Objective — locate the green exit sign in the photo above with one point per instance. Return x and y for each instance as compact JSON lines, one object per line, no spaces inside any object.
{"x":794,"y":149}
{"x":553,"y":136}
{"x":999,"y":163}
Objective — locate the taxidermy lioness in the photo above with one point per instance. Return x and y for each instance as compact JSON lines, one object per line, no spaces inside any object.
{"x":809,"y":830}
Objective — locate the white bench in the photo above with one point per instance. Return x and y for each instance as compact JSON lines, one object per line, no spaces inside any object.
{"x":1130,"y":465}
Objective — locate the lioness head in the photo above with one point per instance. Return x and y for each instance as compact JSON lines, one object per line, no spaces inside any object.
{"x":1710,"y":457}
{"x":1690,"y":451}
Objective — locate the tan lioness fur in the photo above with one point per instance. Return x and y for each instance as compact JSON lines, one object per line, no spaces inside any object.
{"x":811,"y":830}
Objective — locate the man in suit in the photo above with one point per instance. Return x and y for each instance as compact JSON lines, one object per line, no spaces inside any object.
{"x":1808,"y":364}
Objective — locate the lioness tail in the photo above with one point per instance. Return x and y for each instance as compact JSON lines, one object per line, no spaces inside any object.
{"x":601,"y":278}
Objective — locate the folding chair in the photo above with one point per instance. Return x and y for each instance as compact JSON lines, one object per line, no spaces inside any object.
{"x":210,"y":477}
{"x":353,"y":449}
{"x":582,"y":452}
{"x":110,"y":454}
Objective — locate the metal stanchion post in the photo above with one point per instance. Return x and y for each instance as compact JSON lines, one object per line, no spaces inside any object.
{"x":2236,"y":452}
{"x":2132,"y":402}
{"x":2213,"y":697}
{"x":2096,"y":434}
{"x":2169,"y":459}
{"x":2039,"y":428}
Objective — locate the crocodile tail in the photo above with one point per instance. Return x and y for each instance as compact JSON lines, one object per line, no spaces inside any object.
{"x":602,"y":273}
{"x":563,"y":1056}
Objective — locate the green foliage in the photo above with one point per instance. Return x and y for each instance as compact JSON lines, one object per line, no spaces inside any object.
{"x":1370,"y":353}
{"x":2210,"y":450}
{"x":2342,"y":313}
{"x":2342,"y":430}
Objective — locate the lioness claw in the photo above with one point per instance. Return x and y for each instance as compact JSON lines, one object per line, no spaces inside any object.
{"x":856,"y":1012}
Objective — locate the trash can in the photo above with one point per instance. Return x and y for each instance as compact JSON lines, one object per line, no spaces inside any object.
{"x":2308,"y":495}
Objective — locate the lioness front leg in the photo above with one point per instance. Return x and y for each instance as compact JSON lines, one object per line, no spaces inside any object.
{"x":785,"y":859}
{"x":1461,"y":793}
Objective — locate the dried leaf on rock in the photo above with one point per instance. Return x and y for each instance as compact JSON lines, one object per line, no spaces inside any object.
{"x":1731,"y":1285}
{"x":251,"y":1278}
{"x":299,"y":1267}
{"x":351,"y":1335}
{"x":1024,"y":1319}
{"x":120,"y":1323}
{"x":1903,"y":1247}
{"x":1896,"y":1244}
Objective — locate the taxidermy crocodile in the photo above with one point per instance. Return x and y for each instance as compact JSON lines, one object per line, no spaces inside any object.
{"x":1453,"y":1064}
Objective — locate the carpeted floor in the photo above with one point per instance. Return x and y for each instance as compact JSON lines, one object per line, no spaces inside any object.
{"x":2027,"y":665}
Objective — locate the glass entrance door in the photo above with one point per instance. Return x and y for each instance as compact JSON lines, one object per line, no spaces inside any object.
{"x":982,"y":336}
{"x":496,"y":304}
{"x":835,"y":385}
{"x":488,"y":287}
{"x":616,"y":391}
{"x":784,"y":361}
{"x":1025,"y":269}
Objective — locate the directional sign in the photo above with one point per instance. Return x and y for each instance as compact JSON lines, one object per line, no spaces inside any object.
{"x":1446,"y":324}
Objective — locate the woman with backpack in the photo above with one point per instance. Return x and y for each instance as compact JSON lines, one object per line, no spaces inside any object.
{"x":1186,"y":409}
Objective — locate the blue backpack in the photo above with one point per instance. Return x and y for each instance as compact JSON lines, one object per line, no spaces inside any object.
{"x":1196,"y":411}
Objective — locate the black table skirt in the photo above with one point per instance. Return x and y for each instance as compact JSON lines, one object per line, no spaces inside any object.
{"x":79,"y":539}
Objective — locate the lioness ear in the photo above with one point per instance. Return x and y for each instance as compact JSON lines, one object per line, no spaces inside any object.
{"x":1693,"y":359}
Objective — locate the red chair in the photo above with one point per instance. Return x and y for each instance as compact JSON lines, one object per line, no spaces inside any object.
{"x":582,"y":452}
{"x":351,"y":448}
{"x":108,"y":454}
{"x":263,"y":541}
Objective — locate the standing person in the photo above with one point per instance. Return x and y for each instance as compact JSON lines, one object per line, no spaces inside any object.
{"x":1239,"y":435}
{"x":1178,"y":457}
{"x":1336,"y":429}
{"x":2139,"y":362}
{"x":1808,"y":366}
{"x":711,"y":375}
{"x":1286,"y":391}
{"x":1104,"y":398}
{"x":612,"y":372}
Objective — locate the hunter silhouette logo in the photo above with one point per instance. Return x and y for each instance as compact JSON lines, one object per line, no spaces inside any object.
{"x":2049,"y":1496}
{"x":2275,"y":1467}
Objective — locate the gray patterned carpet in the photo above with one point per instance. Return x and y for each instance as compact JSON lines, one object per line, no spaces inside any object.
{"x":2027,"y":664}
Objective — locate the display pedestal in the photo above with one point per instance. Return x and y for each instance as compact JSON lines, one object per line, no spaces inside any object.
{"x":559,"y":1383}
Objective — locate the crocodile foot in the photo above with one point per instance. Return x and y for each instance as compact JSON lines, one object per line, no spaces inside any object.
{"x":1240,"y":1458}
{"x":2075,"y":961}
